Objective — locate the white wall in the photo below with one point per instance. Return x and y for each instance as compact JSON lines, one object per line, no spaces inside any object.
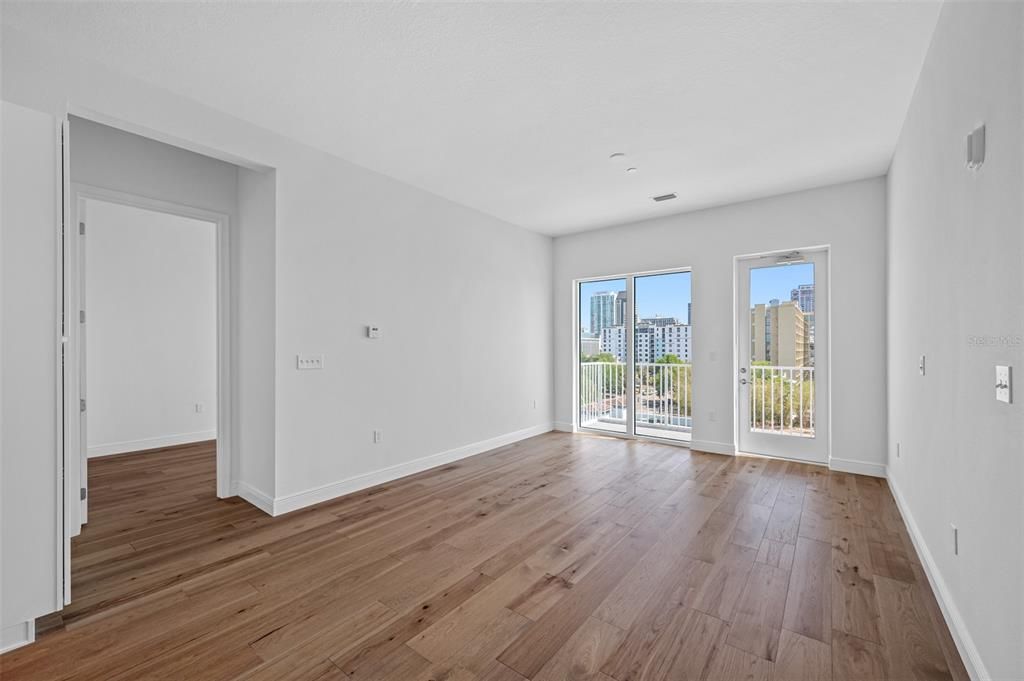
{"x":956,"y":251}
{"x":849,"y":217}
{"x":102,"y":156}
{"x":464,"y":299}
{"x":253,"y":274}
{"x":151,"y":336}
{"x":29,"y":523}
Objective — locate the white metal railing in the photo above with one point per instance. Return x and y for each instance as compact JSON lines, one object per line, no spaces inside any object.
{"x":602,"y":392}
{"x":782,"y":400}
{"x":663,"y":397}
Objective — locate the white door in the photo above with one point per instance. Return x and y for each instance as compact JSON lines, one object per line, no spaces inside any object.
{"x":782,"y":334}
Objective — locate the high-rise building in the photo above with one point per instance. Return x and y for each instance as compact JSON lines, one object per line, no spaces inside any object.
{"x":613,"y":341}
{"x":660,"y":321}
{"x":778,"y":335}
{"x":602,"y":311}
{"x":620,"y":309}
{"x":803,"y":295}
{"x":652,"y":341}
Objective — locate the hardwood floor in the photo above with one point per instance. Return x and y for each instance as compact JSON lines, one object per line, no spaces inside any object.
{"x":558,"y":558}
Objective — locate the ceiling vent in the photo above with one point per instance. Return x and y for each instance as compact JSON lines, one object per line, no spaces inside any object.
{"x":665,"y":197}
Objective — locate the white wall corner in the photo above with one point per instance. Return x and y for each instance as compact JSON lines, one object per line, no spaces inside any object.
{"x":259,"y":499}
{"x":954,"y":620}
{"x":17,"y":635}
{"x":875,"y":470}
{"x":316,"y":495}
{"x":713,"y":447}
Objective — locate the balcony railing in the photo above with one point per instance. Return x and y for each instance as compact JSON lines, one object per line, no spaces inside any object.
{"x":603,"y":395}
{"x":662,"y":393}
{"x":782,"y":400}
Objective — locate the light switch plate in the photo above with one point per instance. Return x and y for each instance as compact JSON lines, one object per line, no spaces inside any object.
{"x":1004,"y":384}
{"x":309,"y":361}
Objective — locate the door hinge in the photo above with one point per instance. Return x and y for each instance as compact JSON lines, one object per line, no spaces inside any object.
{"x":81,"y":405}
{"x":81,"y":228}
{"x":83,"y":494}
{"x":81,"y":316}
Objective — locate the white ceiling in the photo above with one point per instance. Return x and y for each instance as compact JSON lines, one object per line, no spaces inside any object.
{"x":514,"y":108}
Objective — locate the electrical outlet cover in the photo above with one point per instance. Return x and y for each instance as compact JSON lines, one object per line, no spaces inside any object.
{"x":305,"y":362}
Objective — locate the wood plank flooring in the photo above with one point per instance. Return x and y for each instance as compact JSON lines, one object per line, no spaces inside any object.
{"x":559,"y":558}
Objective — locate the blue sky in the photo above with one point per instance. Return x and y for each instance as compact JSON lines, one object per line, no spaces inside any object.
{"x":778,"y":281}
{"x":667,"y":294}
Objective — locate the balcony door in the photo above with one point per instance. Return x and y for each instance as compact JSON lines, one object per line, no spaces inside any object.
{"x":782,"y":336}
{"x":634,"y":350}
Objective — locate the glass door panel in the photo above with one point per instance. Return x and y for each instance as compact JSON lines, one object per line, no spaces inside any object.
{"x":782,"y":356}
{"x":603,"y":352}
{"x":662,"y":350}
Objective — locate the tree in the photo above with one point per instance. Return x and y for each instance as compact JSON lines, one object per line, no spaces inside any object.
{"x":781,"y":399}
{"x":606,"y":357}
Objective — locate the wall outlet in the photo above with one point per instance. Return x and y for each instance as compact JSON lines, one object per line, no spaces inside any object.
{"x":309,"y":361}
{"x":199,"y":407}
{"x":378,"y":436}
{"x":920,"y":365}
{"x":956,"y":539}
{"x":373,"y":331}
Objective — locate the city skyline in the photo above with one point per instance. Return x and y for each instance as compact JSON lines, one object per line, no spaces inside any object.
{"x":657,"y":295}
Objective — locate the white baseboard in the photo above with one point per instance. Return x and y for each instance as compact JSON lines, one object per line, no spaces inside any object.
{"x":563,"y":427}
{"x":713,"y":447}
{"x":954,"y":620}
{"x":17,"y":635}
{"x":259,"y":499}
{"x":875,"y":470}
{"x":316,"y":495}
{"x":150,"y":443}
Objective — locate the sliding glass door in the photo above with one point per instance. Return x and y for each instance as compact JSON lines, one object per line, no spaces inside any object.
{"x":634,"y":355}
{"x":662,"y":346}
{"x":602,"y":354}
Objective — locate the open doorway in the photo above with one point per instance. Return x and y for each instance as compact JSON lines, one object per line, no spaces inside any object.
{"x":146,"y":362}
{"x":149,"y":330}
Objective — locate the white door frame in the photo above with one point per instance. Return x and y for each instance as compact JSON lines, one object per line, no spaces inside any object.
{"x":629,"y":278}
{"x":75,"y":448}
{"x":815,"y":450}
